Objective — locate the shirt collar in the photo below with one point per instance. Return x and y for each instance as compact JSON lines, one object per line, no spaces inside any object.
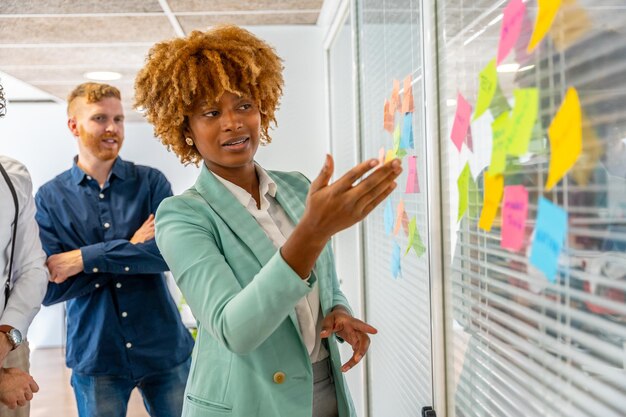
{"x":266,"y":186}
{"x":119,"y":169}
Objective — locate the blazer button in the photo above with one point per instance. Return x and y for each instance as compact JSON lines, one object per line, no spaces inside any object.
{"x":279,"y":377}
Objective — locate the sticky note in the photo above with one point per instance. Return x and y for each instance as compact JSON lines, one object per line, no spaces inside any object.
{"x":395,"y":97}
{"x":499,"y":103}
{"x":545,"y":16}
{"x":514,"y":214}
{"x":407,"y":132}
{"x":550,"y":232}
{"x":493,"y":188}
{"x":474,"y":199}
{"x":391,"y":154}
{"x":482,"y":138}
{"x":487,"y":88}
{"x":388,"y":117}
{"x":591,"y":153}
{"x":522,"y":121}
{"x":381,"y":156}
{"x":565,"y":133}
{"x":412,"y":182}
{"x":401,"y":153}
{"x":463,"y":186}
{"x":395,"y":260}
{"x":407,"y":95}
{"x":570,"y":24}
{"x":461,"y":121}
{"x":415,"y":241}
{"x":469,"y":140}
{"x":396,"y":138}
{"x":399,"y":214}
{"x":511,"y":27}
{"x":388,"y":217}
{"x":499,"y":143}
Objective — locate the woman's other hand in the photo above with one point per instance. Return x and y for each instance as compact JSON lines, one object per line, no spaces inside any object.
{"x":353,"y":331}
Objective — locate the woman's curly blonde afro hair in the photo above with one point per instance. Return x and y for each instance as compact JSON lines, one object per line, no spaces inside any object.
{"x":202,"y":66}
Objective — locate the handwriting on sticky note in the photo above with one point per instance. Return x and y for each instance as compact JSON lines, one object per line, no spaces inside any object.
{"x":487,"y":88}
{"x":461,"y":121}
{"x":550,"y":232}
{"x":388,"y":217}
{"x":514,"y":214}
{"x":407,"y":132}
{"x":494,"y":185}
{"x":522,"y":121}
{"x":545,"y":16}
{"x":395,"y":260}
{"x":388,"y":117}
{"x":512,"y":19}
{"x":499,"y":144}
{"x":565,"y":133}
{"x":463,"y":186}
{"x":412,"y":181}
{"x":415,"y":241}
{"x":407,"y":95}
{"x":399,"y":214}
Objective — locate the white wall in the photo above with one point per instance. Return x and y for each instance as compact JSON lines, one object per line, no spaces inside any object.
{"x":36,"y":134}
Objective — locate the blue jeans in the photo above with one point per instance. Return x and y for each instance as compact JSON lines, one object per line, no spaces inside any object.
{"x":107,"y":396}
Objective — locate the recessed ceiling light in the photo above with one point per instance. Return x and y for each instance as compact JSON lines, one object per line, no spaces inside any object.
{"x":102,"y":75}
{"x":526,"y":68}
{"x":508,"y":67}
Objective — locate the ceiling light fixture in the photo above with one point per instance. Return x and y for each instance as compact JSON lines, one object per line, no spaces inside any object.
{"x":102,"y":75}
{"x":508,"y":67}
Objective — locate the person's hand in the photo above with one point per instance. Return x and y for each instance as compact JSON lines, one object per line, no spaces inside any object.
{"x":332,"y":208}
{"x":145,"y":232}
{"x":353,"y":331}
{"x":16,"y":387}
{"x":64,"y":265}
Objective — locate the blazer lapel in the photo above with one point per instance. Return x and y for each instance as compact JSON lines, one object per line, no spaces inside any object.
{"x":235,"y":215}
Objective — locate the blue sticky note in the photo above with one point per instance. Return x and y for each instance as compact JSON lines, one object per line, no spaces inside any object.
{"x":550,"y":234}
{"x":388,"y":217}
{"x":406,"y":140}
{"x":395,"y":260}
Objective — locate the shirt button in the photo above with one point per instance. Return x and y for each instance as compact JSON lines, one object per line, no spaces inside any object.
{"x":97,"y":285}
{"x":126,"y":268}
{"x":129,"y":345}
{"x":124,"y":314}
{"x":95,"y":270}
{"x":118,"y":285}
{"x":89,"y":177}
{"x":279,"y":377}
{"x":101,"y":195}
{"x":107,"y":225}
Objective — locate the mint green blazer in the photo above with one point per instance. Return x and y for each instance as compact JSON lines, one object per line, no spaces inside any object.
{"x":249,"y":358}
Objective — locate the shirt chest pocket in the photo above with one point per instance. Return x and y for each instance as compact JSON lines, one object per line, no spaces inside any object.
{"x":196,"y":406}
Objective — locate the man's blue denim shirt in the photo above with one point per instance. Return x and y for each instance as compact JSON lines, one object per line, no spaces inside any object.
{"x":121,"y":319}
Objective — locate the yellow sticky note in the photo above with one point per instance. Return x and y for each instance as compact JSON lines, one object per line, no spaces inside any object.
{"x":463,"y":185}
{"x":499,"y":144}
{"x":494,"y":186}
{"x":522,"y":120}
{"x":391,"y":154}
{"x":566,"y":142}
{"x":545,"y":16}
{"x":487,"y":88}
{"x":572,"y":22}
{"x":396,"y":138}
{"x":415,"y":241}
{"x":591,"y":153}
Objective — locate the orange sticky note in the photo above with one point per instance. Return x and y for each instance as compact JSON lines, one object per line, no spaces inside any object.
{"x":402,"y":219}
{"x":570,"y":24}
{"x":407,"y":95}
{"x":494,"y":185}
{"x":566,"y":141}
{"x":388,"y":117}
{"x":545,"y":16}
{"x":395,"y":97}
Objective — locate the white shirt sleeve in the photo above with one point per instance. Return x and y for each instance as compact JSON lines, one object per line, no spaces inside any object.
{"x":30,"y":274}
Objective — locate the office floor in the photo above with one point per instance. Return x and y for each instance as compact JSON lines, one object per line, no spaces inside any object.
{"x":55,"y":396}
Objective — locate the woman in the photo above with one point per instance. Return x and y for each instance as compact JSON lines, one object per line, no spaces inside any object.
{"x":249,"y":248}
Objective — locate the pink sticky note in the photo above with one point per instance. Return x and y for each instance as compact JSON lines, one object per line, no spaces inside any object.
{"x":511,"y":27}
{"x":400,"y":213}
{"x":412,"y":183}
{"x":381,"y":156}
{"x":388,"y":117}
{"x":461,"y":121}
{"x":514,"y":213}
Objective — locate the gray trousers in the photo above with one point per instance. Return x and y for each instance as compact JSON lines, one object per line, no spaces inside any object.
{"x":17,"y":358}
{"x":324,"y":394}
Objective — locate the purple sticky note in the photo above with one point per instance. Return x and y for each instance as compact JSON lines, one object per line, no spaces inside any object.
{"x":412,"y":182}
{"x":550,"y":234}
{"x":511,"y":27}
{"x":514,"y":213}
{"x":461,"y":121}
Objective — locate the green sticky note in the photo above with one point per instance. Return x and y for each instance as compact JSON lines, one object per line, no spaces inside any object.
{"x":499,"y":103}
{"x":487,"y":88}
{"x":463,"y":184}
{"x":401,"y":153}
{"x":499,"y":144}
{"x":415,"y":241}
{"x":522,"y":120}
{"x":396,"y":138}
{"x":474,"y":201}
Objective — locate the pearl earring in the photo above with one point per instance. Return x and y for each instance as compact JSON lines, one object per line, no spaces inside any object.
{"x":189,"y":141}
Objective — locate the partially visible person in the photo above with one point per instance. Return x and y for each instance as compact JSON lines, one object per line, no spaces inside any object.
{"x":97,"y":227}
{"x":249,"y":248}
{"x":24,"y":276}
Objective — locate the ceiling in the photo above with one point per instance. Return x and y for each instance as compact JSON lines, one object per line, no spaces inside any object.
{"x":50,"y":44}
